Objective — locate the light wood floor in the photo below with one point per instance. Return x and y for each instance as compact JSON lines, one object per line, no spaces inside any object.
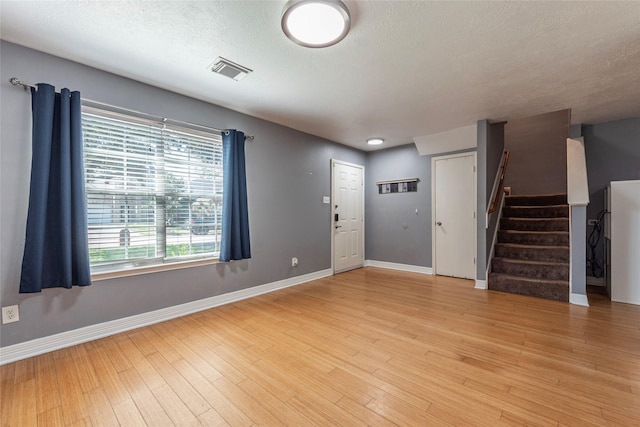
{"x":367,"y":347}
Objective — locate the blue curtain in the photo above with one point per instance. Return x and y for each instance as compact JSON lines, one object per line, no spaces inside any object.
{"x":234,"y":243}
{"x":56,"y":251}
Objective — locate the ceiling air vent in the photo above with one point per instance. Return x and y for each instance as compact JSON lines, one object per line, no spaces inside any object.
{"x":230,"y":69}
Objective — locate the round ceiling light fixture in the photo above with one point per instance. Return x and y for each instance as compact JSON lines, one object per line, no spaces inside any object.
{"x":316,"y":23}
{"x":375,"y":141}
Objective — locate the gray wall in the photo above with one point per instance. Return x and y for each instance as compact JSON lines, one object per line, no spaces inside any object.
{"x":394,"y":233}
{"x":578,"y":250}
{"x":494,"y":151}
{"x":288,"y":173}
{"x":578,"y":237}
{"x":482,"y":196}
{"x":613,"y":154}
{"x":538,"y":162}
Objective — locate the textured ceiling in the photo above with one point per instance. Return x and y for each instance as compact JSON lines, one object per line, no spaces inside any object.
{"x":407,"y":68}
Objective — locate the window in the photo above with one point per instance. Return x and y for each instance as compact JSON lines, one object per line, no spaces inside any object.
{"x":154,"y":191}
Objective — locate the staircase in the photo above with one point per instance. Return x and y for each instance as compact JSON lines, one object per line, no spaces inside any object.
{"x":532,"y":251}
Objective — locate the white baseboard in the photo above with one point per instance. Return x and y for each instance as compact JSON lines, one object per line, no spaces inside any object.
{"x":38,"y":346}
{"x":481,"y":284}
{"x":396,"y":266}
{"x":579,"y":299}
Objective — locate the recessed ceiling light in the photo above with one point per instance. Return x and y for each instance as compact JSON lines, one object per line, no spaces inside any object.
{"x":316,"y":23}
{"x":375,"y":141}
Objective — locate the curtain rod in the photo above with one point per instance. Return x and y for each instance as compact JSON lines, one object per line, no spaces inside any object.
{"x":17,"y":82}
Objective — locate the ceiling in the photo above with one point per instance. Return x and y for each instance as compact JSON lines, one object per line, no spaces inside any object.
{"x":407,"y":68}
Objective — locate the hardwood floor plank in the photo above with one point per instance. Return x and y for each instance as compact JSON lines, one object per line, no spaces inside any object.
{"x":110,"y":381}
{"x":280,"y":409}
{"x":195,"y":359}
{"x":330,"y":410}
{"x":443,"y":394}
{"x":572,"y":410}
{"x":364,"y":414}
{"x":84,"y":422}
{"x":23,"y":410}
{"x":51,"y":418}
{"x":219,"y":363}
{"x":169,"y":352}
{"x":25,"y":370}
{"x":128,"y":414}
{"x":174,"y":407}
{"x":181,"y":387}
{"x":217,"y":400}
{"x":251,"y":407}
{"x":388,"y":389}
{"x":140,"y":338}
{"x":402,"y":413}
{"x":280,"y":389}
{"x":141,"y":364}
{"x":70,"y":391}
{"x":117,"y":357}
{"x":84,"y":369}
{"x":599,"y":389}
{"x":366,"y":347}
{"x":7,"y":381}
{"x":99,"y":408}
{"x":297,"y":381}
{"x":47,"y":396}
{"x":356,"y":389}
{"x":145,"y":401}
{"x":314,"y":417}
{"x":524,"y":420}
{"x":621,"y":417}
{"x":211,"y":418}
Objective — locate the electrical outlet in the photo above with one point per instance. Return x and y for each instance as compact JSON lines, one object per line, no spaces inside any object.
{"x":294,"y":262}
{"x":592,"y":222}
{"x":10,"y":314}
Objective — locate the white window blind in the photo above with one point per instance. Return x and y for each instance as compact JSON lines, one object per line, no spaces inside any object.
{"x":154,"y":191}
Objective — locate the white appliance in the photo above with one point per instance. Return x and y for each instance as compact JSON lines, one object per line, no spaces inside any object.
{"x":623,"y":232}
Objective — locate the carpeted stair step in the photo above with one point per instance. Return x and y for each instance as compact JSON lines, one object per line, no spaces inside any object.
{"x":535,"y":224}
{"x":550,"y":289}
{"x":541,"y":200}
{"x":545,"y":270}
{"x":542,"y":238}
{"x":553,"y":211}
{"x":532,"y":253}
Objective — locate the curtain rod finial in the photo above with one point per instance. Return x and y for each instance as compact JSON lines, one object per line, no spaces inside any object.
{"x":14,"y":81}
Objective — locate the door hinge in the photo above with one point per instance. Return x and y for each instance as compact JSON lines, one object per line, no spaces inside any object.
{"x":474,"y":215}
{"x":474,"y":168}
{"x":474,"y":261}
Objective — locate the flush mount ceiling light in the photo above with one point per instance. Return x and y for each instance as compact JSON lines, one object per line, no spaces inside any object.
{"x":316,"y":23}
{"x":375,"y":141}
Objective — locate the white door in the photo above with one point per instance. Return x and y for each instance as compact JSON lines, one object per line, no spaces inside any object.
{"x":454,"y":226}
{"x":347,"y":215}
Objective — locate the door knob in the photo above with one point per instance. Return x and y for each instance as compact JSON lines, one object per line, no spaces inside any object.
{"x":338,"y":226}
{"x":438,"y":223}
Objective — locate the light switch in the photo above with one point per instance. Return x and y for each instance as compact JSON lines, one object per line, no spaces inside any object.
{"x":326,"y":200}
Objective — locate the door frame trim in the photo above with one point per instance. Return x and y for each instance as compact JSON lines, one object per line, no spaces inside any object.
{"x":331,"y":208}
{"x":433,"y":205}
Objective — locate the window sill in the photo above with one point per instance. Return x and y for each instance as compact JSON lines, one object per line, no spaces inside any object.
{"x":152,"y":269}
